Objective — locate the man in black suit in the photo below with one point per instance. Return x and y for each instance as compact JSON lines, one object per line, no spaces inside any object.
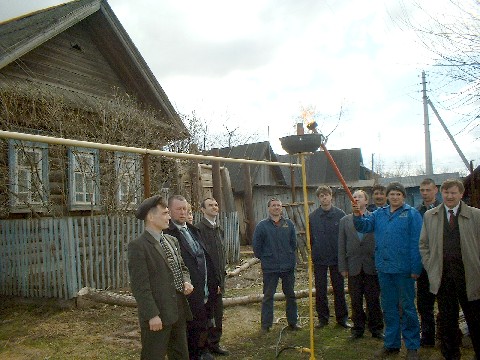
{"x":160,"y":282}
{"x":202,"y":273}
{"x":212,"y":236}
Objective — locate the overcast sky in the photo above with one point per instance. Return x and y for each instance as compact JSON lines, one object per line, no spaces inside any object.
{"x":252,"y":66}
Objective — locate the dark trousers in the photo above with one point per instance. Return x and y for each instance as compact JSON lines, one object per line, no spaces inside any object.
{"x":197,"y":337}
{"x":270,"y":282}
{"x":360,"y":286}
{"x":215,"y":332}
{"x":451,"y":295}
{"x":425,"y":305}
{"x":321,"y":299}
{"x":171,"y":340}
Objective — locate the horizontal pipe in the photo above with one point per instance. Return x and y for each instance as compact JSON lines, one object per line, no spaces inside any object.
{"x":110,"y":147}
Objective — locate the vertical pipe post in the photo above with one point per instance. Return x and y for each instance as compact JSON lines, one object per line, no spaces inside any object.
{"x":146,"y":176}
{"x":309,"y":248}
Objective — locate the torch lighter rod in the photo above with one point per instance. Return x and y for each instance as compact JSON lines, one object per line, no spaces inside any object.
{"x":339,"y":174}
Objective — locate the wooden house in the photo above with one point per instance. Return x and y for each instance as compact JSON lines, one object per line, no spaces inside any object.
{"x":72,"y":71}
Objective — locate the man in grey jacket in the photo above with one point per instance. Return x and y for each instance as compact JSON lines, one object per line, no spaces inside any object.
{"x":160,"y":282}
{"x":356,"y":262}
{"x":450,"y":250}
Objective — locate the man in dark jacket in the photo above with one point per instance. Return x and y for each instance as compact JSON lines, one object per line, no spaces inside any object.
{"x":159,"y":281}
{"x":324,"y":223}
{"x":202,"y":273}
{"x":275,"y":244}
{"x":425,"y":299}
{"x":212,"y":236}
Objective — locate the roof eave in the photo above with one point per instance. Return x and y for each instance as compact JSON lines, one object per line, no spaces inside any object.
{"x":30,"y":43}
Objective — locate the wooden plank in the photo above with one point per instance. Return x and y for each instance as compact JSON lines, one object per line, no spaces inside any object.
{"x":4,"y":258}
{"x":64,"y":254}
{"x":84,"y":251}
{"x":90,"y":258}
{"x":113,"y":231}
{"x":95,"y":242}
{"x":103,"y":254}
{"x":71,"y":257}
{"x":58,"y":259}
{"x":117,"y":257}
{"x":78,"y":255}
{"x":38,"y":261}
{"x":128,"y":233}
{"x":46,"y":225}
{"x":107,"y":251}
{"x":51,"y":251}
{"x":24,"y":258}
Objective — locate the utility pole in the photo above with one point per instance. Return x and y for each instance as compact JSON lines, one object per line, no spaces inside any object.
{"x":426,"y":124}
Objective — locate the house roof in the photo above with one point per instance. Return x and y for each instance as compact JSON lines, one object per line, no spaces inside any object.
{"x":320,"y":172}
{"x":23,"y":34}
{"x":255,"y":151}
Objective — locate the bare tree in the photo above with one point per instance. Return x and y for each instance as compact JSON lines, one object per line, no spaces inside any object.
{"x":453,"y":36}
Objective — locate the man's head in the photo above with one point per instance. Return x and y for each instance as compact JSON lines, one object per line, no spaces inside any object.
{"x":428,"y":190}
{"x":274,"y":208}
{"x":379,"y":195}
{"x":178,"y":206}
{"x":155,"y":212}
{"x":361,"y":198}
{"x":324,"y":194}
{"x":396,"y":195}
{"x":452,"y":192}
{"x":209,"y":208}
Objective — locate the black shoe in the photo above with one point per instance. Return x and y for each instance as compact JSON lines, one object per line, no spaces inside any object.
{"x":377,"y":335}
{"x":265,"y":330}
{"x":219,"y":350}
{"x":206,"y":356}
{"x":412,"y":354}
{"x":356,"y":336}
{"x":384,"y":352}
{"x":294,"y":327}
{"x":427,"y":342}
{"x":321,"y":325}
{"x":345,"y":324}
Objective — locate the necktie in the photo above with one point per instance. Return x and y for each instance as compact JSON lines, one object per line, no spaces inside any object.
{"x":451,"y":220}
{"x":177,"y":272}
{"x":191,"y":241}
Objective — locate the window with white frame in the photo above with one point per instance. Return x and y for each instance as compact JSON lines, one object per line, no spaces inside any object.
{"x":127,"y":167}
{"x":28,"y":171}
{"x":84,"y":175}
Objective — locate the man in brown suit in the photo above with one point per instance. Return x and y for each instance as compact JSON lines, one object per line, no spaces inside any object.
{"x":160,"y":282}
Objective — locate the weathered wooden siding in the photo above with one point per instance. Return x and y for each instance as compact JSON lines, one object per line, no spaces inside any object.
{"x":69,"y":61}
{"x":57,"y":257}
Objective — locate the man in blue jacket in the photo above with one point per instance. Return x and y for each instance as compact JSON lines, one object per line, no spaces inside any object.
{"x":397,"y":259}
{"x":275,"y":244}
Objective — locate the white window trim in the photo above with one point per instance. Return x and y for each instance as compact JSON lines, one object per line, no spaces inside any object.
{"x":94,"y":203}
{"x":17,"y":205}
{"x":133,"y":181}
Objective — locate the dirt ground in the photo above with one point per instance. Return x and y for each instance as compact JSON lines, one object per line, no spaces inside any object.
{"x":49,"y":329}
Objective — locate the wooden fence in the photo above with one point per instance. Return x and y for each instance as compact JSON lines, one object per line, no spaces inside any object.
{"x":57,"y":257}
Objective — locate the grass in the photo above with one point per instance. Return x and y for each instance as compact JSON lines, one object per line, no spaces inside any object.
{"x":41,"y":329}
